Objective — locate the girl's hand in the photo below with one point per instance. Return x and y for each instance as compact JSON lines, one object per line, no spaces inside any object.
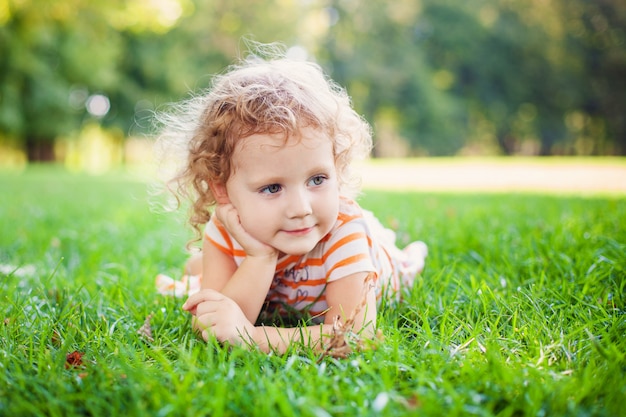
{"x":227,"y":214}
{"x":219,"y":316}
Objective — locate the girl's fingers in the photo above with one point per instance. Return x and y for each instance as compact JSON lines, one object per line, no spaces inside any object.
{"x":227,"y":215}
{"x":200,"y":297}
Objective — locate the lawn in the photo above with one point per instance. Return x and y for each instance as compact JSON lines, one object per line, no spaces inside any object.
{"x":520,"y":312}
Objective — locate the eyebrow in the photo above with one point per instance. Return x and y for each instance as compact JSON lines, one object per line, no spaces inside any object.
{"x":318,"y":169}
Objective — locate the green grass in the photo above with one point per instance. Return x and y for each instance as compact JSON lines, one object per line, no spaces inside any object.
{"x":586,"y":161}
{"x":520,"y":312}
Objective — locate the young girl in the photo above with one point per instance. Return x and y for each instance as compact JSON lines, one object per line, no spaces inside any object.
{"x":268,"y":150}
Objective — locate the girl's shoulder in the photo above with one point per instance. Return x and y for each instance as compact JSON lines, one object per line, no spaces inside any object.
{"x":349,"y":210}
{"x":351,"y":220}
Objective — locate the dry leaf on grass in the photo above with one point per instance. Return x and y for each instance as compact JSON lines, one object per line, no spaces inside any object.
{"x":412,"y":403}
{"x":342,"y":339}
{"x":145,"y":331}
{"x":74,"y":360}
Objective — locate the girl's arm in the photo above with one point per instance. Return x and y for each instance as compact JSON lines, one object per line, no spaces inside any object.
{"x":247,"y":284}
{"x":343,"y":296}
{"x":221,"y":317}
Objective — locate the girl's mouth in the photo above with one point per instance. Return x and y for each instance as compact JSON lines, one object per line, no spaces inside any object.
{"x":299,"y":232}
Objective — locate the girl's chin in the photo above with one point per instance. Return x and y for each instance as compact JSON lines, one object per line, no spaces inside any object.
{"x":299,"y":250}
{"x":296,"y":245}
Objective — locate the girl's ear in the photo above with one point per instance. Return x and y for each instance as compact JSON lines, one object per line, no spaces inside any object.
{"x":219,"y":192}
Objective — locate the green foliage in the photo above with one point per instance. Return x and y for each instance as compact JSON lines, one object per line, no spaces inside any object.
{"x":497,"y":75}
{"x":46,"y":51}
{"x":55,"y":55}
{"x":490,"y":73}
{"x":519,"y":312}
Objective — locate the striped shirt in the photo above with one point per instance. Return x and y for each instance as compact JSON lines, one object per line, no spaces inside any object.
{"x":299,"y":283}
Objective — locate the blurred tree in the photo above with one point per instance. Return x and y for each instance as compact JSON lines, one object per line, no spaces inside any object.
{"x":58,"y":56}
{"x":374,"y":49}
{"x":45,"y":54}
{"x":538,"y":76}
{"x":596,"y":41}
{"x":499,"y":66}
{"x":535,"y":76}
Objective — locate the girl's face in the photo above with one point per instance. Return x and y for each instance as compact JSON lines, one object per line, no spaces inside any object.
{"x":286,"y":194}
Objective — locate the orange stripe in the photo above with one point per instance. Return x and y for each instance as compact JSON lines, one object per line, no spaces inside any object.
{"x":346,"y":218}
{"x":301,"y":284}
{"x":225,"y":235}
{"x":294,"y":259}
{"x":343,"y":241}
{"x":226,"y":251}
{"x":387,"y":255}
{"x":313,"y":262}
{"x":286,"y":261}
{"x":283,"y":298}
{"x":347,"y":261}
{"x":325,"y":238}
{"x":230,"y":251}
{"x":296,"y":299}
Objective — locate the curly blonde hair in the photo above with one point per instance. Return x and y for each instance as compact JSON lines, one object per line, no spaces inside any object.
{"x":258,"y":96}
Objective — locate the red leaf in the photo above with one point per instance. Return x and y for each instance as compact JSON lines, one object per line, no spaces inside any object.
{"x":74,"y":360}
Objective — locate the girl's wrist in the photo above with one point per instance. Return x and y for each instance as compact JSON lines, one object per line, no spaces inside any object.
{"x":269,"y":258}
{"x":259,"y":338}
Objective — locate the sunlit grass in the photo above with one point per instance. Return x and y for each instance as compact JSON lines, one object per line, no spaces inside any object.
{"x":589,"y":161}
{"x":521,"y":311}
{"x":558,"y":175}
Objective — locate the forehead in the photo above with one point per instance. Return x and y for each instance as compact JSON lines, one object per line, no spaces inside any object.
{"x":305,"y":138}
{"x":262,"y":158}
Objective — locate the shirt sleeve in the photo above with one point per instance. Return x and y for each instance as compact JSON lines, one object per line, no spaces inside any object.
{"x":217,"y":235}
{"x":348,"y":251}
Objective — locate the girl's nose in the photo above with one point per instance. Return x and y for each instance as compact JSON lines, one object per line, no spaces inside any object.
{"x":299,"y":205}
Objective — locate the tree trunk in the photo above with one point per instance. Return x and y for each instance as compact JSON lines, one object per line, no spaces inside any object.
{"x":506,"y":143}
{"x":40,"y":150}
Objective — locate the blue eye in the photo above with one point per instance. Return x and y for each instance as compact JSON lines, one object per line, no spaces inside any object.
{"x":271,"y":189}
{"x":317,"y":180}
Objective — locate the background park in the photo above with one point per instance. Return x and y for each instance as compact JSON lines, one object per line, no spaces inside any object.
{"x":500,"y":135}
